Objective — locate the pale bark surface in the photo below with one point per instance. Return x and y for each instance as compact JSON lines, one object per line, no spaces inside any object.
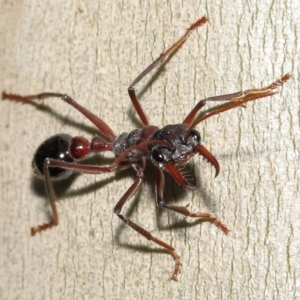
{"x":92,"y":51}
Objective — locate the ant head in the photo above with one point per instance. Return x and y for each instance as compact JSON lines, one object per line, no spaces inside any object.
{"x":183,"y":143}
{"x":179,"y":150}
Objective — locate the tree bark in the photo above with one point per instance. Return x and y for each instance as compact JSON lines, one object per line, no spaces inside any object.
{"x":92,"y":51}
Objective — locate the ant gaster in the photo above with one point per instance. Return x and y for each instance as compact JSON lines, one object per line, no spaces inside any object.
{"x":168,"y":148}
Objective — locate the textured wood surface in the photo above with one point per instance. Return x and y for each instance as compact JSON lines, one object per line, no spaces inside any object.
{"x":92,"y":51}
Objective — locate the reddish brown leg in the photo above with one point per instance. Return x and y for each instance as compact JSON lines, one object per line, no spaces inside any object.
{"x":237,"y":99}
{"x":160,"y":182}
{"x":52,"y":199}
{"x":118,"y":208}
{"x":101,"y":125}
{"x":49,"y":188}
{"x":163,"y":57}
{"x":81,"y":168}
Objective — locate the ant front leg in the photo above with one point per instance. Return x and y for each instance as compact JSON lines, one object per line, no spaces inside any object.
{"x":100,"y":124}
{"x":163,"y":57}
{"x":139,"y":167}
{"x":159,"y":184}
{"x":236,"y":99}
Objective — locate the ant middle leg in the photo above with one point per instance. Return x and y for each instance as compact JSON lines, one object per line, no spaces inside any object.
{"x":100,"y":124}
{"x":118,"y":208}
{"x":159,"y":184}
{"x":163,"y":57}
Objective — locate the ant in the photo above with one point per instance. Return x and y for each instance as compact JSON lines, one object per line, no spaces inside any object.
{"x":167,"y":148}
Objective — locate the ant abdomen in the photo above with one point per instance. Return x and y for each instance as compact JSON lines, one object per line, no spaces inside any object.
{"x":55,"y":147}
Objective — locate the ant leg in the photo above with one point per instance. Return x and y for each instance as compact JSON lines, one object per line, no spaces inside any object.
{"x":159,"y":184}
{"x":101,"y":125}
{"x":237,"y":99}
{"x":52,"y":199}
{"x":81,"y":168}
{"x":163,"y":57}
{"x":49,"y":188}
{"x":117,"y":210}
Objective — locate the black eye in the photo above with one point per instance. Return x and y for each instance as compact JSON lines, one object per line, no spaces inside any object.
{"x":158,"y":156}
{"x":194,"y":136}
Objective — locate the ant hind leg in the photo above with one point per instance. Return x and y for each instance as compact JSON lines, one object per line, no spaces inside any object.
{"x":100,"y":124}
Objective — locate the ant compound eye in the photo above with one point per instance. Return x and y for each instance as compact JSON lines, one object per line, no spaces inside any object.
{"x":158,"y":156}
{"x":194,"y":136}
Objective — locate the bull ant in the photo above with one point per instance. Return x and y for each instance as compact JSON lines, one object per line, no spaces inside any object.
{"x":167,"y":148}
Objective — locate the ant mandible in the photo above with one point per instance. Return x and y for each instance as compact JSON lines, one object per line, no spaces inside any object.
{"x":168,"y":148}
